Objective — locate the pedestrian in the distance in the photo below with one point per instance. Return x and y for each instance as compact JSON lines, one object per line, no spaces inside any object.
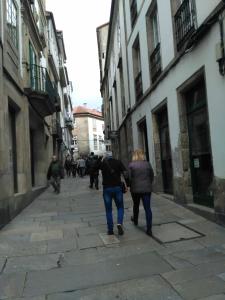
{"x":141,"y":176}
{"x":55,"y":173}
{"x":68,"y":166}
{"x":81,"y":164}
{"x":112,"y":169}
{"x":74,"y":167}
{"x":93,"y":172}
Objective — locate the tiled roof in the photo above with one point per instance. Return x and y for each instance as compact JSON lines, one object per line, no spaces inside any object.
{"x":84,"y":109}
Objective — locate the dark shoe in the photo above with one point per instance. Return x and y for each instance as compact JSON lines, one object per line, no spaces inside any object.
{"x":135,"y":222}
{"x":149,"y":232}
{"x":110,"y":232}
{"x":97,"y":188}
{"x":120,"y":229}
{"x":90,"y":186}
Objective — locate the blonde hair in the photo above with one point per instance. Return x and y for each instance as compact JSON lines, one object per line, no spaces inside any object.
{"x":138,"y":155}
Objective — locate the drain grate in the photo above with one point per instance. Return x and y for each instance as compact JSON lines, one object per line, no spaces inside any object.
{"x":174,"y":232}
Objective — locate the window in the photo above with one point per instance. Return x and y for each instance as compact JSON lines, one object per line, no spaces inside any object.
{"x":100,"y":142}
{"x":137,"y":70}
{"x":95,"y":142}
{"x":154,"y":42}
{"x":12,"y":22}
{"x":118,"y":34}
{"x":122,"y":89}
{"x":184,"y":22}
{"x":94,"y":123}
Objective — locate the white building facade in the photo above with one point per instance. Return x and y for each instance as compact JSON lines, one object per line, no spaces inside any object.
{"x":88,"y":133}
{"x":164,"y":90}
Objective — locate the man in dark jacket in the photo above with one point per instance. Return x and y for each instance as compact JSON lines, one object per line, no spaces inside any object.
{"x":112,"y":169}
{"x":93,"y":171}
{"x":55,"y":173}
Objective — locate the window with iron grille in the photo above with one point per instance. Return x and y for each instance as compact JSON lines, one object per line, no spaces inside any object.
{"x":154,"y":42}
{"x":185,"y":22}
{"x":12,"y":22}
{"x":133,"y":11}
{"x":137,"y":70}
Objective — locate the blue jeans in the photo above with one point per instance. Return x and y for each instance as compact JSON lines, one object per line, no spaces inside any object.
{"x":116,"y":194}
{"x":146,"y":200}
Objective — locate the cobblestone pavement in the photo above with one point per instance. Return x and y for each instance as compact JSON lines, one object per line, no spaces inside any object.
{"x":57,"y":249}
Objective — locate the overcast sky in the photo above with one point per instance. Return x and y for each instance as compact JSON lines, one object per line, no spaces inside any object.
{"x":79,"y":19}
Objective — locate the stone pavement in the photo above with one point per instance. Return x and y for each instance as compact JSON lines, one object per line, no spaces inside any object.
{"x":57,"y":249}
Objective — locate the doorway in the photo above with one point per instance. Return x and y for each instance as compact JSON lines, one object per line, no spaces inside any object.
{"x":199,"y":144}
{"x":13,"y":147}
{"x":165,"y":149}
{"x":143,"y":137}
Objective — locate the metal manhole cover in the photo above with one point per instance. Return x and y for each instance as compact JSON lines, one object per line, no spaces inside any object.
{"x":174,"y":232}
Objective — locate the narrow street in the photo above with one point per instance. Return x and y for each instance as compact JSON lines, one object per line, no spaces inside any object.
{"x":57,"y":249}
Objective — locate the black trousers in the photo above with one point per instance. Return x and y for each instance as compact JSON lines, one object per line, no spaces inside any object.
{"x":94,"y":180}
{"x":146,"y":200}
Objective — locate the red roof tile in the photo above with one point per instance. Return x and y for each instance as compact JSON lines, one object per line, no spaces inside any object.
{"x":84,"y":109}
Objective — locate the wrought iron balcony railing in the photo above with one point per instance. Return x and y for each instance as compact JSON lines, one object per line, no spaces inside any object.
{"x":40,"y":81}
{"x":184,"y":22}
{"x":155,"y":63}
{"x":42,"y":92}
{"x":138,"y":86}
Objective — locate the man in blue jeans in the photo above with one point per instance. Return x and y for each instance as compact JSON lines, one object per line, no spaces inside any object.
{"x":111,"y":173}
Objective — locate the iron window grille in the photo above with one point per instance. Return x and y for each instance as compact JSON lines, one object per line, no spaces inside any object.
{"x":184,"y":19}
{"x":155,"y":63}
{"x":12,"y":22}
{"x":138,"y":86}
{"x":133,"y":12}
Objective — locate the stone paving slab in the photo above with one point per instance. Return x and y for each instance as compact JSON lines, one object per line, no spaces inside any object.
{"x":201,"y":288}
{"x":62,"y":245}
{"x":49,"y":235}
{"x":11,"y":285}
{"x":108,"y":239}
{"x":90,"y":242}
{"x":31,"y":263}
{"x":72,"y":278}
{"x":215,"y":297}
{"x":195,"y":272}
{"x":12,"y":248}
{"x":139,"y":289}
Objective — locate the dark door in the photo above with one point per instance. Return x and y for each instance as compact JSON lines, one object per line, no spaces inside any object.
{"x":166,"y":160}
{"x":32,"y":157}
{"x":12,"y":147}
{"x":144,"y":138}
{"x":200,"y":146}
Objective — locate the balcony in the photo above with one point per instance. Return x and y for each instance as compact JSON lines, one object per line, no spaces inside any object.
{"x":69,"y":123}
{"x":56,"y":130}
{"x":138,"y":86}
{"x":42,"y":93}
{"x":184,"y":22}
{"x":155,"y":63}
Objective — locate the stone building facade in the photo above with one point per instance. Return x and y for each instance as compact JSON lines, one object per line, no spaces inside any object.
{"x":29,"y":102}
{"x":164,"y":87}
{"x":88,"y":131}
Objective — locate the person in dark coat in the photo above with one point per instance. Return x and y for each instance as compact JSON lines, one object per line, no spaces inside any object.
{"x":68,"y":166}
{"x":93,"y":171}
{"x":112,"y":169}
{"x":55,"y":174}
{"x":141,"y":176}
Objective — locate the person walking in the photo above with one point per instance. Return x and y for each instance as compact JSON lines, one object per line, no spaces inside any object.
{"x":82,"y":166}
{"x":67,"y":166}
{"x":55,"y":174}
{"x":112,"y":169}
{"x":74,"y":167}
{"x":93,"y":172}
{"x":141,"y":176}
